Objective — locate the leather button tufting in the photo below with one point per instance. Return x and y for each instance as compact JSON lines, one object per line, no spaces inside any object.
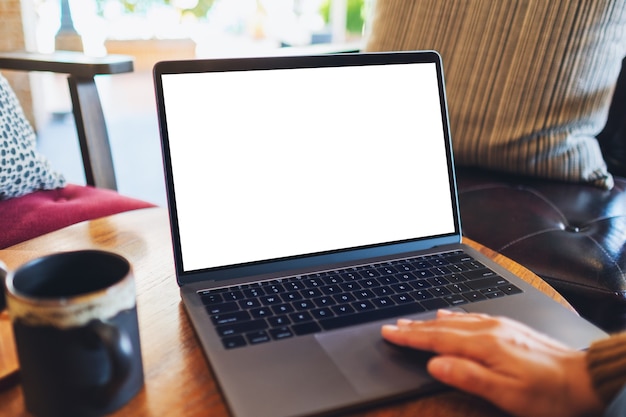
{"x":571,"y":235}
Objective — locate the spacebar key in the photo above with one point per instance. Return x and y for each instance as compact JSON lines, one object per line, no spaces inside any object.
{"x":371,"y":315}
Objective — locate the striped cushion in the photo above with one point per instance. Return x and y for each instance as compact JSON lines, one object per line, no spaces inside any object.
{"x":529,"y":82}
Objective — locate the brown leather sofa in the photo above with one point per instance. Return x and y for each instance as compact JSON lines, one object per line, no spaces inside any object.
{"x":572,"y":235}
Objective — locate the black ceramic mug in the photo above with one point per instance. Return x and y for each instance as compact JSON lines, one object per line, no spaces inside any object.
{"x":74,"y":319}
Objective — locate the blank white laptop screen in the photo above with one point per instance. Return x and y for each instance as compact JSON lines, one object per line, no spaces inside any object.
{"x":277,"y":163}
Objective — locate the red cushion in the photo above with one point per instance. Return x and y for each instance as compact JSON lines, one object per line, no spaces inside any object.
{"x":41,"y":212}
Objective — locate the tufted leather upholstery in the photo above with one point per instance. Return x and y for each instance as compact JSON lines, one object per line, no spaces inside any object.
{"x":573,"y":236}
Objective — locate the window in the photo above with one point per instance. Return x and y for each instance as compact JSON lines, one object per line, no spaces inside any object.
{"x":217,"y":27}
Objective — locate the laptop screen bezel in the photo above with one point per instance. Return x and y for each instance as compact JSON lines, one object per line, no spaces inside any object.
{"x":317,"y":259}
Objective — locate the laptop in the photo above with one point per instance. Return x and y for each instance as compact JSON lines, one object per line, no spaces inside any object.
{"x":313,"y":199}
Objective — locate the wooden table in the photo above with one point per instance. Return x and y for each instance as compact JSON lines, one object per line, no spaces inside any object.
{"x":178,"y":380}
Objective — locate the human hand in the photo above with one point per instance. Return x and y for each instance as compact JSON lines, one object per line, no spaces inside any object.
{"x":503,"y":361}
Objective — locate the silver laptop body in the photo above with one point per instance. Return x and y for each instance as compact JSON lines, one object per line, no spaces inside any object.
{"x":287,"y":177}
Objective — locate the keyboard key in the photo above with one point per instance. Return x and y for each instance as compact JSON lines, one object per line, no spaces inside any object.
{"x":250,"y":303}
{"x":313,"y":283}
{"x":369,"y":283}
{"x":388,"y":280}
{"x":344,"y":298}
{"x":350,"y":286}
{"x":458,"y":258}
{"x":294,"y":286}
{"x":363,"y":305}
{"x":383,"y":302}
{"x":423,"y":273}
{"x":283,"y":309}
{"x":479,"y":273}
{"x":259,"y":313}
{"x":509,"y":289}
{"x":281,"y":333}
{"x":405,"y":267}
{"x":402,"y":299}
{"x":381,"y":291}
{"x":332,"y":279}
{"x":255,"y":338}
{"x":435,"y":304}
{"x":493,"y":281}
{"x":422,"y":264}
{"x":369,"y":273}
{"x":421,"y":284}
{"x":455,"y":299}
{"x":343,"y":309}
{"x":234,"y":342}
{"x":232,"y":329}
{"x":306,"y":328}
{"x":233,"y":317}
{"x":474,"y":296}
{"x":330,"y":289}
{"x":322,"y":313}
{"x":275,"y":289}
{"x":222,"y":308}
{"x":324,"y":301}
{"x":291,"y":296}
{"x":456,"y":278}
{"x":271,"y":300}
{"x":350,"y":276}
{"x":387,"y":270}
{"x":311,"y":292}
{"x":475,"y":265}
{"x":253,"y":292}
{"x":440,"y":291}
{"x":437,"y":281}
{"x":233,"y":295}
{"x":278,"y":321}
{"x":439,"y":261}
{"x":440,"y":270}
{"x":403,"y":277}
{"x":401,"y":288}
{"x":458,"y":288}
{"x":494,"y":294}
{"x":301,"y":317}
{"x":211,"y":298}
{"x":303,"y":305}
{"x":421,"y":295}
{"x":363,"y":294}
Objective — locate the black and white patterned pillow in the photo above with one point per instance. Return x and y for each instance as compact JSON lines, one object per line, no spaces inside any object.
{"x":22,"y":168}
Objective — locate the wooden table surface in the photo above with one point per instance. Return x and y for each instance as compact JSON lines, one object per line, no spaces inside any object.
{"x":178,"y":380}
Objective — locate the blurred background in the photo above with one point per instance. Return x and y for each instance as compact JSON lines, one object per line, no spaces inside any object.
{"x":150,"y":31}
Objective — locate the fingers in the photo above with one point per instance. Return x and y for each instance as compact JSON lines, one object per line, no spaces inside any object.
{"x":439,"y":340}
{"x":467,"y":334}
{"x":449,"y":334}
{"x":508,"y":328}
{"x":498,"y":359}
{"x":465,"y":374}
{"x":473,"y":378}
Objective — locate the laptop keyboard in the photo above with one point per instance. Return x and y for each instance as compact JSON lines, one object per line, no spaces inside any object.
{"x":288,"y":307}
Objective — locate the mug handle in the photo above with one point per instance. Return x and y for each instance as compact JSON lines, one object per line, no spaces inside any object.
{"x":120,"y":352}
{"x":3,"y":276}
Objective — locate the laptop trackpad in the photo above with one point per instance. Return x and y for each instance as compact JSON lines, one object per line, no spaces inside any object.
{"x":374,"y":366}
